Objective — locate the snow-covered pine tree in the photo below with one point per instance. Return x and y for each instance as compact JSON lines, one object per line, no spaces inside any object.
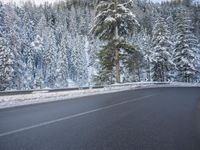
{"x":186,"y":48}
{"x":79,"y":61}
{"x":93,"y":47}
{"x":73,"y":25}
{"x":30,"y":68}
{"x":6,"y":65}
{"x":114,"y":22}
{"x":196,"y":16}
{"x":106,"y":59}
{"x":62,"y":63}
{"x":141,"y":67}
{"x":162,"y":51}
{"x":38,"y":50}
{"x":145,"y":46}
{"x":28,"y":34}
{"x":41,"y":26}
{"x":13,"y":36}
{"x":133,"y":62}
{"x":198,"y":61}
{"x":2,"y":15}
{"x":49,"y":57}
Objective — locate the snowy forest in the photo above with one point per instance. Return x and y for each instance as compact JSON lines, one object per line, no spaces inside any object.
{"x":76,"y":43}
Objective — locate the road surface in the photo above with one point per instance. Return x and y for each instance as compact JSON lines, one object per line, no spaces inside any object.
{"x":148,"y":119}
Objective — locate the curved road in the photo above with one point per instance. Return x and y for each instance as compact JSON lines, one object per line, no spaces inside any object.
{"x":148,"y":119}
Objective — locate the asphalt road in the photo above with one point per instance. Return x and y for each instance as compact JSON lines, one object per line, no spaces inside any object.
{"x":149,"y":119}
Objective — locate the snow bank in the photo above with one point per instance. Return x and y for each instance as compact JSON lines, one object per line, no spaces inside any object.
{"x":45,"y":96}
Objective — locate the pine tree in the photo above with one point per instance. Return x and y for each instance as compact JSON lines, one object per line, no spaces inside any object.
{"x":79,"y":61}
{"x":37,"y":51}
{"x":141,"y":68}
{"x":2,"y":23}
{"x":133,"y":62}
{"x":49,"y":58}
{"x":30,"y":68}
{"x":13,"y":36}
{"x":186,"y":48}
{"x":41,"y":26}
{"x":62,"y":63}
{"x":162,"y":51}
{"x":6,"y":65}
{"x":106,"y":59}
{"x":113,"y":23}
{"x":93,"y":48}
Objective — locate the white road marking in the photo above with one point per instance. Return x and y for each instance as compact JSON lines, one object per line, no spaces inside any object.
{"x":72,"y":116}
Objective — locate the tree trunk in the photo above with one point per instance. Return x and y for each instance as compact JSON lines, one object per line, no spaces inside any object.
{"x":117,"y":65}
{"x":117,"y":61}
{"x":148,"y":70}
{"x":138,"y":73}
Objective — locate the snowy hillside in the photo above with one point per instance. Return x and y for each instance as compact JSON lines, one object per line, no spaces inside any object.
{"x":53,"y":46}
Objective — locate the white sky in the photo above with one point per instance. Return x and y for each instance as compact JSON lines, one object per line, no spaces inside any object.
{"x":42,"y":1}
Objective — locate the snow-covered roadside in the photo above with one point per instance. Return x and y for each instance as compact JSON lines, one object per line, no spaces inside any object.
{"x":42,"y":97}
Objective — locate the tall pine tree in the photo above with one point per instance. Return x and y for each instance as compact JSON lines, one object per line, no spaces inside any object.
{"x":114,"y":22}
{"x":162,"y":51}
{"x":186,"y":48}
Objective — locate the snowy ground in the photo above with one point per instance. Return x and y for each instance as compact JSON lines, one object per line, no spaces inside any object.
{"x":45,"y":96}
